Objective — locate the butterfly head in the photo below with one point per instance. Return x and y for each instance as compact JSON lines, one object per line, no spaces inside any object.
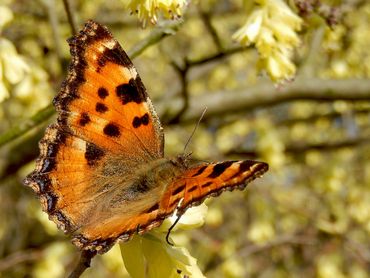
{"x":182,"y":160}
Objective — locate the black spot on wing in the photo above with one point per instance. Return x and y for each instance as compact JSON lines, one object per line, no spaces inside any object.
{"x":178,"y":190}
{"x":93,"y":154}
{"x":79,"y":43}
{"x":115,"y":55}
{"x":246,"y":165}
{"x":133,"y":91}
{"x":101,"y":107}
{"x":102,"y":93}
{"x":206,"y":184}
{"x":200,"y":171}
{"x":219,"y":168}
{"x":138,"y":121}
{"x":191,"y":189}
{"x":84,"y":119}
{"x":145,"y":119}
{"x":153,"y":208}
{"x":112,"y":130}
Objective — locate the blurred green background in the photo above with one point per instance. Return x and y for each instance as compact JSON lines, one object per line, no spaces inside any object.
{"x":309,"y":216}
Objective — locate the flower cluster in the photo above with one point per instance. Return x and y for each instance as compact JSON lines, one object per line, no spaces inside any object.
{"x":12,"y":65}
{"x":272,"y":27}
{"x":150,"y":9}
{"x":151,"y":256}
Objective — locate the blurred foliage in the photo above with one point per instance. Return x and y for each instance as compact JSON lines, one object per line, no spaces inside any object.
{"x":309,"y":215}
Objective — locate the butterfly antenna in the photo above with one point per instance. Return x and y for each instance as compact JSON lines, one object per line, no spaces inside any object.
{"x":170,"y":229}
{"x":195,"y":128}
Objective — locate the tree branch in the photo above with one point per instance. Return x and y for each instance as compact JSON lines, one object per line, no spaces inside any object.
{"x":53,"y":19}
{"x":294,"y":149}
{"x":206,"y":18}
{"x":83,"y":263}
{"x":24,"y":126}
{"x":70,"y":16}
{"x":264,"y":95}
{"x":326,"y":115}
{"x":167,"y":29}
{"x":281,"y":240}
{"x":287,"y":239}
{"x":20,"y":257}
{"x":216,"y":56}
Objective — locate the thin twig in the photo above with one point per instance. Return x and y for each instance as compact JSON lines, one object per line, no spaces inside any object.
{"x":284,"y":239}
{"x":53,"y":19}
{"x":20,"y":257}
{"x":167,"y":29}
{"x":299,"y":149}
{"x":213,"y":57}
{"x":70,"y":16}
{"x":359,"y":249}
{"x":83,"y":263}
{"x":316,"y":117}
{"x":18,"y":130}
{"x":266,"y":95}
{"x":207,"y":22}
{"x":249,"y":250}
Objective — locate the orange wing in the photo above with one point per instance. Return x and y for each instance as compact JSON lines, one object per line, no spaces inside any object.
{"x":103,"y":100}
{"x":106,"y":127}
{"x":202,"y":181}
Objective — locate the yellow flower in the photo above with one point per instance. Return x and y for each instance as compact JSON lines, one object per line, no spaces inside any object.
{"x":261,"y":231}
{"x":4,"y":94}
{"x":272,"y":27}
{"x":249,"y":32}
{"x":279,"y":66}
{"x":13,"y":67}
{"x":151,"y":256}
{"x":151,"y":9}
{"x":6,"y":16}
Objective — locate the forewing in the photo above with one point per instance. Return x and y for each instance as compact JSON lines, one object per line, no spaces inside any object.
{"x":103,"y":100}
{"x":206,"y":180}
{"x":106,"y":127}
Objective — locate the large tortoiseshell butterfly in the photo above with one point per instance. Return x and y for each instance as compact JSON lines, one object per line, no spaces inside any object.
{"x":101,"y":174}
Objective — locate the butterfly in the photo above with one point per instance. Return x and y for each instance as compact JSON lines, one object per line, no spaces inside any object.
{"x":101,"y":174}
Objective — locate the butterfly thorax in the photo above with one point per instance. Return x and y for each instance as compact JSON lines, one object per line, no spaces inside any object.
{"x":150,"y":178}
{"x":160,"y":172}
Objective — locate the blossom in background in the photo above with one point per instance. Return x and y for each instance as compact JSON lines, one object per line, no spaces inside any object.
{"x":151,"y":256}
{"x":150,"y":9}
{"x":272,"y":28}
{"x":12,"y":65}
{"x":6,"y":16}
